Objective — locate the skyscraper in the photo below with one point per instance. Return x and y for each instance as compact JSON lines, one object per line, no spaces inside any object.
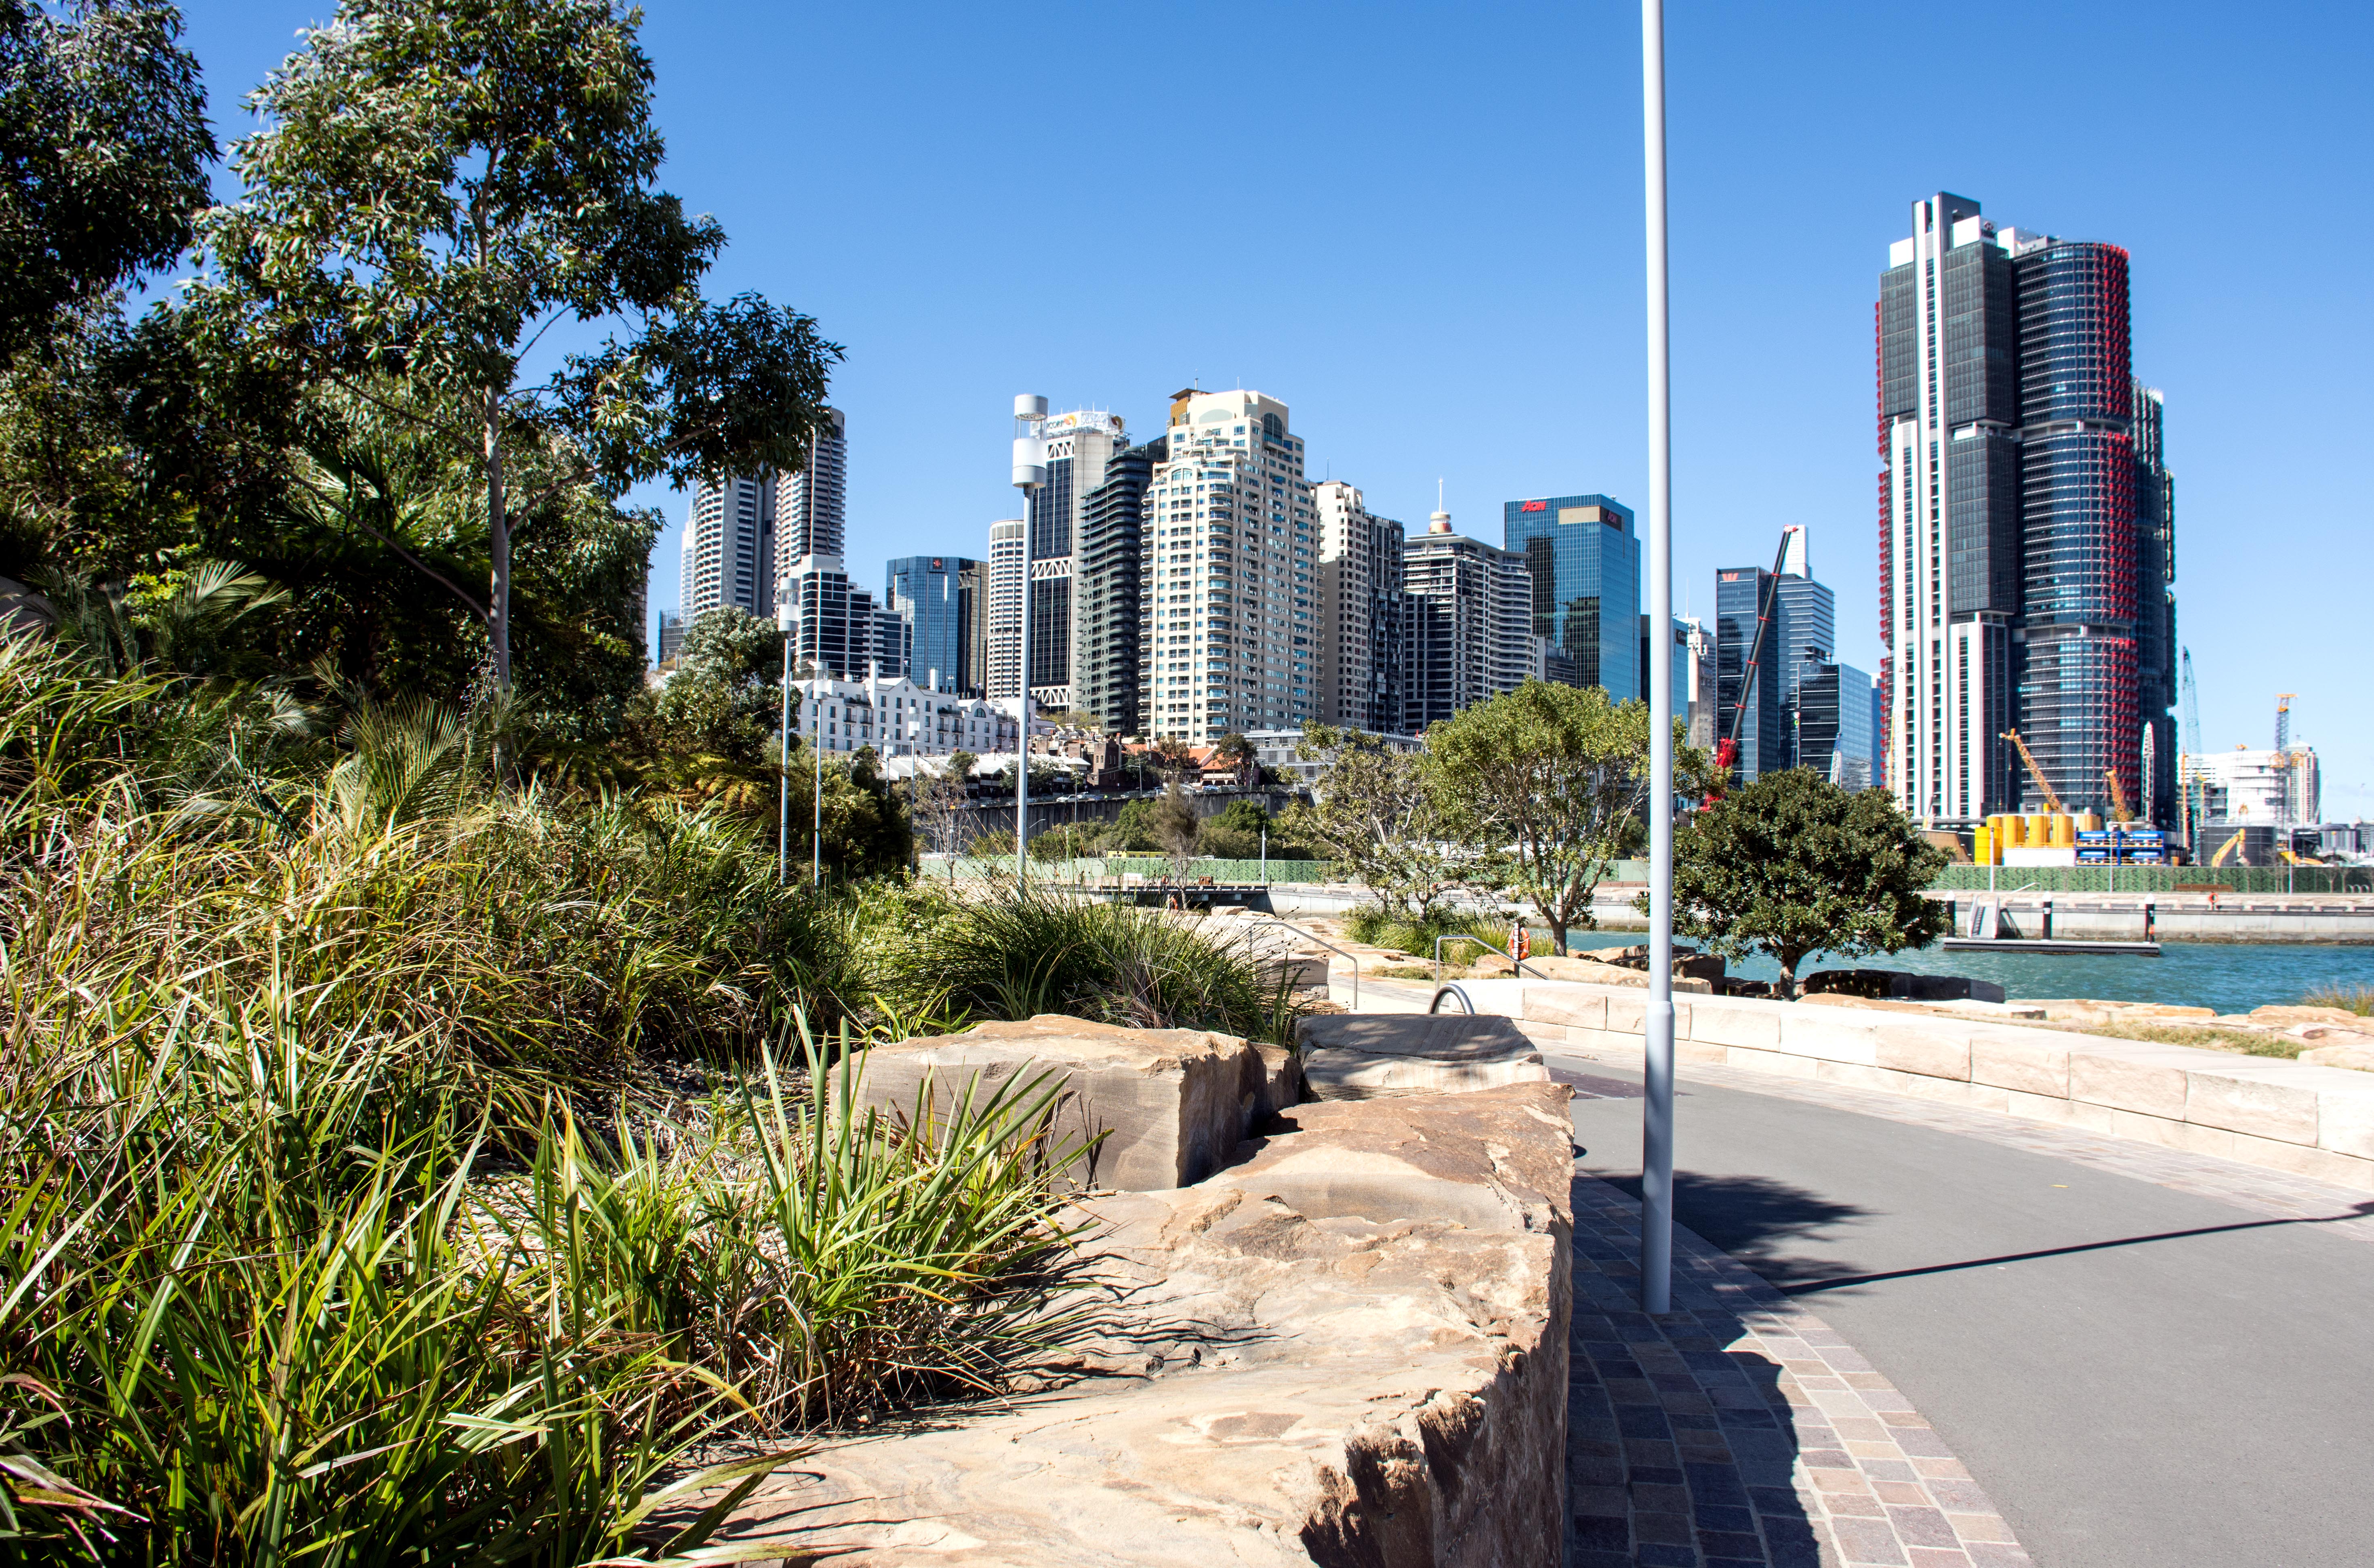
{"x":1231,"y":540}
{"x":927,"y":592}
{"x":1079,"y":445}
{"x":1108,"y":607}
{"x":1805,"y":632}
{"x":1741,"y":598}
{"x":1361,"y":608}
{"x":833,"y":619}
{"x":2026,"y":521}
{"x":1003,"y":641}
{"x":1831,"y":713}
{"x":1471,"y":624}
{"x":1585,"y":562}
{"x":728,"y":542}
{"x":811,"y":506}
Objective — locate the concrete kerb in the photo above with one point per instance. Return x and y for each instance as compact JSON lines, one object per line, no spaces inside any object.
{"x":2288,"y":1116}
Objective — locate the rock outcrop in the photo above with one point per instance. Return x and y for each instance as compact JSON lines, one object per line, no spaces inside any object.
{"x":1170,"y":1105}
{"x":1369,"y":1055}
{"x":1348,"y":1348}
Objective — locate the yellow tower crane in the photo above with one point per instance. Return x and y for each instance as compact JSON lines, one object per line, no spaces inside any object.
{"x":2050,"y":799}
{"x":2119,"y":811}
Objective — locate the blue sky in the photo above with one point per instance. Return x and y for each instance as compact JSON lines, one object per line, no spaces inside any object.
{"x":1419,"y":224}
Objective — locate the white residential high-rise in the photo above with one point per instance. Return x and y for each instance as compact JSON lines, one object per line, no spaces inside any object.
{"x":727,"y":543}
{"x":1361,"y":611}
{"x":1230,"y":550}
{"x":812,"y":502}
{"x":1005,"y":617}
{"x":1471,"y":623}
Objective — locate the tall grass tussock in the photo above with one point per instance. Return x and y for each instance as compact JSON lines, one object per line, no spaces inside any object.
{"x":347,"y":1219}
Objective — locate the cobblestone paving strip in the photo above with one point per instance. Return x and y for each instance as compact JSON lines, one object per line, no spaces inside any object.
{"x":1739,"y":1429}
{"x":2342,"y":1211}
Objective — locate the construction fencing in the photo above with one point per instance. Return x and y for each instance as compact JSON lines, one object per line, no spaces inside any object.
{"x":1092,"y":869}
{"x":2158,"y":879}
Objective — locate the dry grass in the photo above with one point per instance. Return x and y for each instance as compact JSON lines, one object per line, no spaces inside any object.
{"x":2349,"y":999}
{"x":2241,"y":1042}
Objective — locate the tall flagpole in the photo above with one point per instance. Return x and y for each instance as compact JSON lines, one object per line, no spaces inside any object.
{"x":1657,"y":1107}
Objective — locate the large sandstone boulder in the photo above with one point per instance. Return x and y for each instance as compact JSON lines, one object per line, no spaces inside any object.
{"x":1348,"y":1349}
{"x":1170,"y":1106}
{"x":1550,"y":966}
{"x":1369,"y":1055}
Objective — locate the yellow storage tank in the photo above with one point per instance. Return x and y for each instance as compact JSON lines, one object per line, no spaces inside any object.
{"x":2040,"y":831}
{"x":2064,"y":831}
{"x":2005,"y":829}
{"x":1982,"y":845}
{"x":2089,"y":821}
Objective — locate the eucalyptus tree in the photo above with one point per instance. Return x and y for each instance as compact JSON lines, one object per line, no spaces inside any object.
{"x":103,"y":156}
{"x":440,"y":184}
{"x":1548,"y":781}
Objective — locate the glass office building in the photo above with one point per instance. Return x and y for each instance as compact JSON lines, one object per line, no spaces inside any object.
{"x":2027,"y":527}
{"x":927,"y":592}
{"x":1585,"y":561}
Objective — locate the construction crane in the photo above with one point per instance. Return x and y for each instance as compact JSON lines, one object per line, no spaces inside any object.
{"x":2050,"y":799}
{"x":1726,"y":750}
{"x":2119,"y":811}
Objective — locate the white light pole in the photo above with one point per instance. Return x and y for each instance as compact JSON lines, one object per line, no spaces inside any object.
{"x":1657,"y":1105}
{"x":1030,"y":474}
{"x":783,"y":785}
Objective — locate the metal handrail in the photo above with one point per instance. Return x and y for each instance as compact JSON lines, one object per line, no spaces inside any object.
{"x":1517,"y":964}
{"x":1289,"y":925}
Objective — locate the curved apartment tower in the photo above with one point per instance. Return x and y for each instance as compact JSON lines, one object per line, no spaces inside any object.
{"x":2026,"y":524}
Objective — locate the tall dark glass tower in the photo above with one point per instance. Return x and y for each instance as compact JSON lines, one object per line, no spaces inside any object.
{"x":2025,"y":521}
{"x":1585,"y":562}
{"x":928,"y":593}
{"x":1109,"y":613}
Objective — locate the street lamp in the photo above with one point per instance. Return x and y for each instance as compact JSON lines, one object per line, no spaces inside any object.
{"x":783,"y":745}
{"x":1657,"y":1104}
{"x":1030,"y":475}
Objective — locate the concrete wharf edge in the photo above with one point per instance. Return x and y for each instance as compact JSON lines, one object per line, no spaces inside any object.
{"x":2285,"y":1116}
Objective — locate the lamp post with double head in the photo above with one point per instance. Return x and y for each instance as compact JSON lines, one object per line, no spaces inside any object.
{"x":1030,"y":475}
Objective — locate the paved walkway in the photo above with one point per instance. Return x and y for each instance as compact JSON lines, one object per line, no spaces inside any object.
{"x":2143,"y":1357}
{"x":1739,"y":1428}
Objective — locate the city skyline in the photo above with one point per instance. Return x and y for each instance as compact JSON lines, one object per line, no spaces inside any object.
{"x":1503,"y":292}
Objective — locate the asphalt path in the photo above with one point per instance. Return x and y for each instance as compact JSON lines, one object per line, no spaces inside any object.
{"x":2138,"y":1377}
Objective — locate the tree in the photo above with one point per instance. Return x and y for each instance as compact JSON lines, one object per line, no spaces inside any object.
{"x":1548,"y":781}
{"x":1791,"y":864}
{"x":936,"y":803}
{"x":1374,"y":812}
{"x":1174,"y":824}
{"x":437,"y":184}
{"x":1235,"y":833}
{"x":103,"y":155}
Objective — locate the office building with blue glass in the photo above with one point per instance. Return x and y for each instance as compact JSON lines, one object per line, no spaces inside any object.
{"x":935,"y":596}
{"x":1585,"y":562}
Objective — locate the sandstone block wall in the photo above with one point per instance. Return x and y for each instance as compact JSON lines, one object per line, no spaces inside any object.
{"x":1348,"y":1348}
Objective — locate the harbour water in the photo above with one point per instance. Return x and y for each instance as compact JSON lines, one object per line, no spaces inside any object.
{"x":2229,"y":976}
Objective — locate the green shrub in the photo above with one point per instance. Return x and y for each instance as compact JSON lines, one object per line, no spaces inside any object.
{"x":1378,"y":927}
{"x":1020,"y":952}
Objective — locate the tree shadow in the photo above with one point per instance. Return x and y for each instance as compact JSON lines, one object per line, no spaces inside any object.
{"x":1759,"y":1220}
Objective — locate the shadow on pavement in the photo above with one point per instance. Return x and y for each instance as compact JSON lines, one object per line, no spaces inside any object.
{"x":1753,"y":1217}
{"x":1680,"y":1445}
{"x":1803,"y":1286}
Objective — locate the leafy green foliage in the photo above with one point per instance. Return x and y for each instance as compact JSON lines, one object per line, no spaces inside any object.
{"x":1236,"y":834}
{"x":1791,"y":864}
{"x":1372,"y":811}
{"x":304,"y":1254}
{"x":103,"y":156}
{"x":434,"y":187}
{"x":1548,"y":781}
{"x":1026,"y":951}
